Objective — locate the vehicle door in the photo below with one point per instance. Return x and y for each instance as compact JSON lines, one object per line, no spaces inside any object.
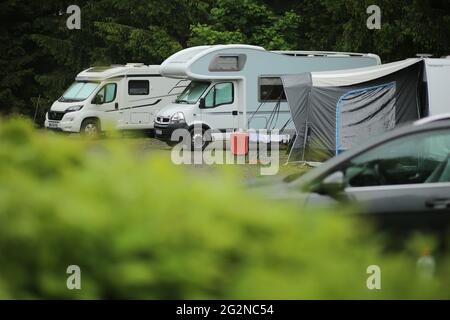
{"x":219,"y":110}
{"x":106,"y":101}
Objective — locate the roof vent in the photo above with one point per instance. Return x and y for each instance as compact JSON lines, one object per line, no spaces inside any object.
{"x":424,"y":55}
{"x":100,"y":69}
{"x":134,"y":64}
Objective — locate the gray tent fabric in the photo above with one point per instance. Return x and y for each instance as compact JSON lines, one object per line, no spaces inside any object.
{"x":355,"y":108}
{"x":332,"y":119}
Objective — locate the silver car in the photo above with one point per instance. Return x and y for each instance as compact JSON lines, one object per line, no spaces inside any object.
{"x":401,"y":178}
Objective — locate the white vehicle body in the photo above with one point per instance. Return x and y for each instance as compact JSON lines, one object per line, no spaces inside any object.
{"x":431,"y":119}
{"x":130,"y":97}
{"x":437,"y":76}
{"x":251,"y":94}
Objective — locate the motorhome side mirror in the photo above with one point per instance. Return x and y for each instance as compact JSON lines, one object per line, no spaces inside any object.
{"x":332,"y":185}
{"x":202,"y":103}
{"x":98,"y":99}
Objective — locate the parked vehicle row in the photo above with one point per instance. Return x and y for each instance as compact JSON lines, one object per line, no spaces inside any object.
{"x":239,"y":87}
{"x":233,"y":87}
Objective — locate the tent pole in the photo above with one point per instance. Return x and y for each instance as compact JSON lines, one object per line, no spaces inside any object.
{"x":304,"y":141}
{"x":305,"y":138}
{"x":418,"y":97}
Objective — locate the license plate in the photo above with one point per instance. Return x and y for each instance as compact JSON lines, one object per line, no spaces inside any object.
{"x":159,"y":132}
{"x":53,"y":124}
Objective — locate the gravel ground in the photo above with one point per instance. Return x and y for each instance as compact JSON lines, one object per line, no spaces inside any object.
{"x":248,"y":171}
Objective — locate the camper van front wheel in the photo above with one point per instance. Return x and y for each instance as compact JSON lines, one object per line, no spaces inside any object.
{"x":90,"y":128}
{"x":199,"y":138}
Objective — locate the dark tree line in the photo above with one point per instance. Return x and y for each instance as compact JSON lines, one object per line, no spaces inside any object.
{"x":40,"y":56}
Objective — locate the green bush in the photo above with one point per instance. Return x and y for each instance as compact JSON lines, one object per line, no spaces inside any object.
{"x":140,"y":227}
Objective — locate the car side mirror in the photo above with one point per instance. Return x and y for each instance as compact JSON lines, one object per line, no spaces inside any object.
{"x":202,"y":104}
{"x":332,"y":185}
{"x":97,"y":100}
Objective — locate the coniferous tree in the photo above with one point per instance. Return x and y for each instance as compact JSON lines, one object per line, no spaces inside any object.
{"x":40,"y":56}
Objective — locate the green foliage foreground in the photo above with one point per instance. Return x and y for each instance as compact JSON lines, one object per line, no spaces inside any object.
{"x":140,"y":227}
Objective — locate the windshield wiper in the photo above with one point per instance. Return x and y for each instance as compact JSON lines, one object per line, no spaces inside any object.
{"x":182,"y":101}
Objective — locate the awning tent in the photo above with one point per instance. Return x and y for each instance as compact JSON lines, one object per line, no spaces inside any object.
{"x":334,"y":111}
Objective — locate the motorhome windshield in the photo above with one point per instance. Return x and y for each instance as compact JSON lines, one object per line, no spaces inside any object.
{"x":79,"y":91}
{"x":193,"y":92}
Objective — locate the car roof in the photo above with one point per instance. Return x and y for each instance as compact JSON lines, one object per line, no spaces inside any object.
{"x":391,"y":135}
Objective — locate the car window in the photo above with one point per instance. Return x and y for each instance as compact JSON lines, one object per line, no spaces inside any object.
{"x":107,"y":94}
{"x":209,"y":99}
{"x":220,"y":94}
{"x":224,"y":93}
{"x":110,"y":92}
{"x":414,"y":159}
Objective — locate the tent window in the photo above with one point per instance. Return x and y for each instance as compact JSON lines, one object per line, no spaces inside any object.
{"x":138,"y":87}
{"x":271,"y":90}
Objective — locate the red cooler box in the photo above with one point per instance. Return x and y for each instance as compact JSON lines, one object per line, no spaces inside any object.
{"x":239,"y":143}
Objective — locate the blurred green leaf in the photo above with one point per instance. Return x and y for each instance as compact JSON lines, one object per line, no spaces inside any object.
{"x":140,"y":227}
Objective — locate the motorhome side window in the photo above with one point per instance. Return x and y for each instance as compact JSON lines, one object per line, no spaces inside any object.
{"x":271,"y":89}
{"x":138,"y":87}
{"x":107,"y":94}
{"x":220,"y":94}
{"x":224,"y":63}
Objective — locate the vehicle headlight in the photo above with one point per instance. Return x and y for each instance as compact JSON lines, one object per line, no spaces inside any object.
{"x":177,"y":118}
{"x":74,"y":108}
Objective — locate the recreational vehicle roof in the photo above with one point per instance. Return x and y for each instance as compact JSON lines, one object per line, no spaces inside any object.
{"x":325,"y":54}
{"x":114,"y":71}
{"x":218,"y":57}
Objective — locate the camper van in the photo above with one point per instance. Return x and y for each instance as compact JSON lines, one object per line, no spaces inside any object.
{"x":239,"y":87}
{"x":120,"y":97}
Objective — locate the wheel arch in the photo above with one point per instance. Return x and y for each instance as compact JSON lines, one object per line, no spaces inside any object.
{"x":97,"y":119}
{"x":203,"y":125}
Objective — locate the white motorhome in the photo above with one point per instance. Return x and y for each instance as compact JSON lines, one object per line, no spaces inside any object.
{"x":120,"y":96}
{"x":239,"y":86}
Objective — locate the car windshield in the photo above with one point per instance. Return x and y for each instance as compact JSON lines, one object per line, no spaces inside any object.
{"x":193,"y":92}
{"x":79,"y":91}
